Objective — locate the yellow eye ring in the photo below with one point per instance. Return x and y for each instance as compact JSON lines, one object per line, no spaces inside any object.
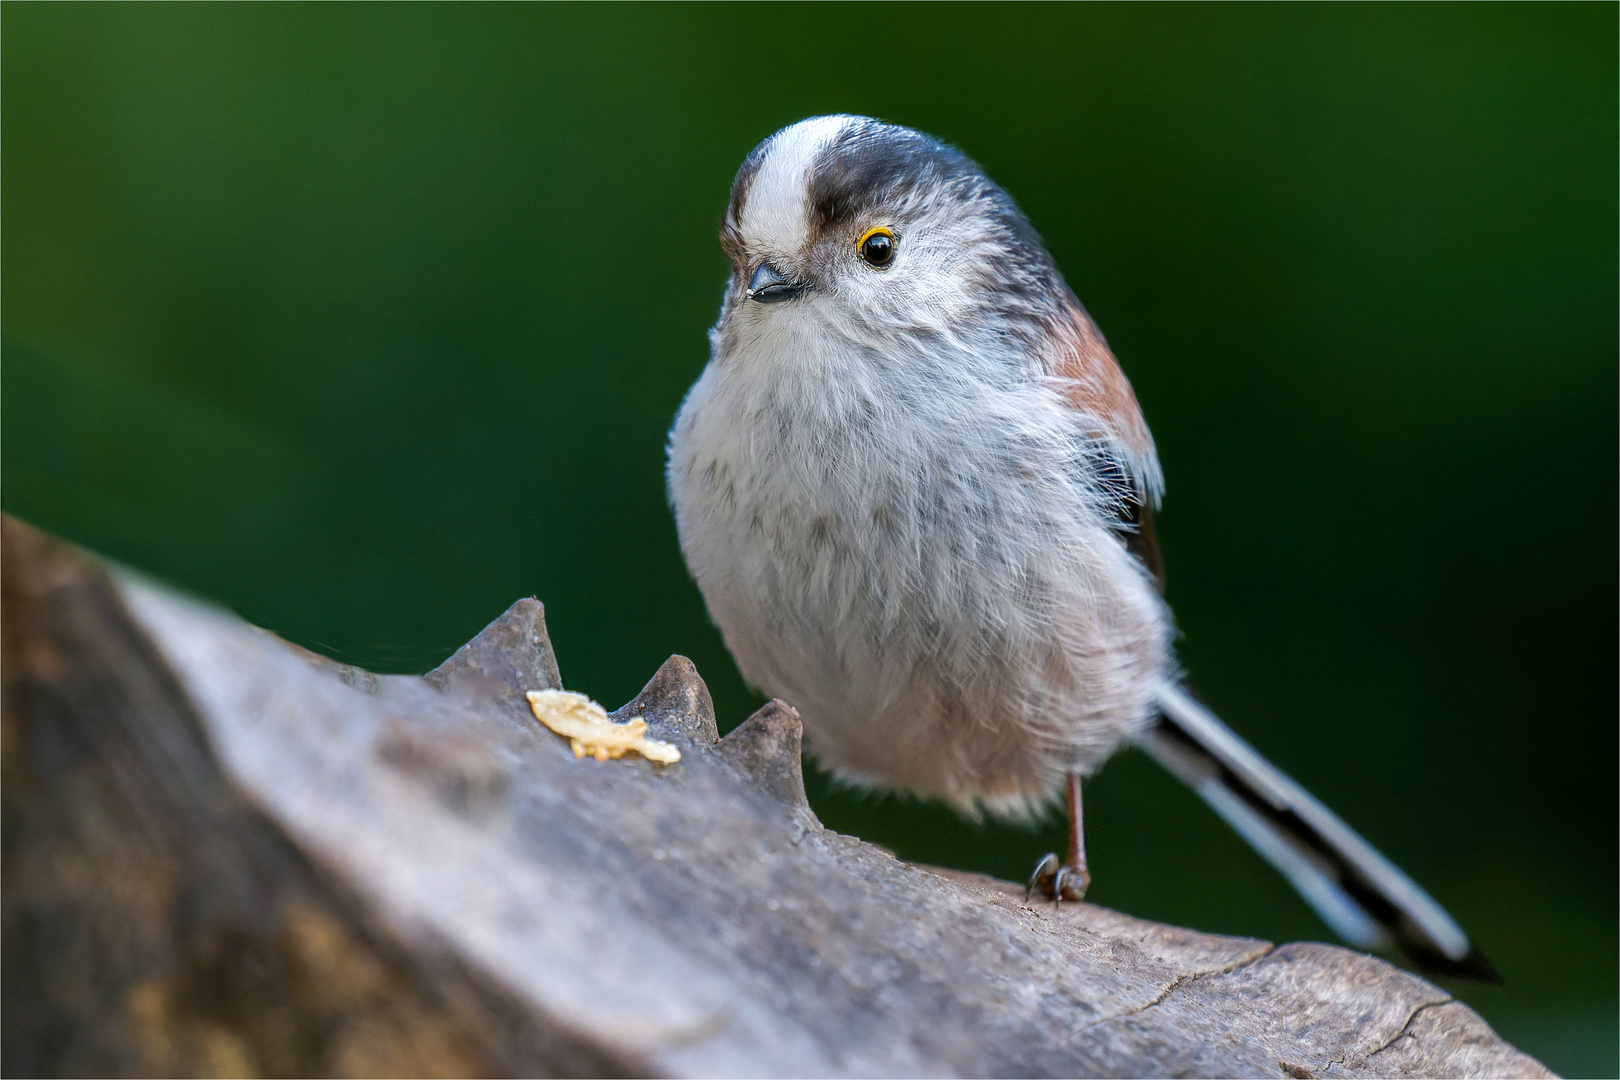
{"x":876,"y":247}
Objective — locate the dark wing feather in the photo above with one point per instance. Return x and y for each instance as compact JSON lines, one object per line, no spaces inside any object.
{"x":1131,"y":511}
{"x":1144,"y":543}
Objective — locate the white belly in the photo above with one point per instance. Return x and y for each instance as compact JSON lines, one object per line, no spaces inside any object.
{"x":929,"y":582}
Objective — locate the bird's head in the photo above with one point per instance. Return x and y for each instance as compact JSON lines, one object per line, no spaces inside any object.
{"x":848,"y":225}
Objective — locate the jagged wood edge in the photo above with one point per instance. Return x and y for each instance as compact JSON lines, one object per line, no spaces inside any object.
{"x":766,"y":749}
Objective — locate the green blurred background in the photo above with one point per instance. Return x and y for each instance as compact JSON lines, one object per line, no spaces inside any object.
{"x":368,"y":320}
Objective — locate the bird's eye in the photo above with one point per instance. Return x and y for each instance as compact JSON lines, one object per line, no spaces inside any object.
{"x":876,"y":247}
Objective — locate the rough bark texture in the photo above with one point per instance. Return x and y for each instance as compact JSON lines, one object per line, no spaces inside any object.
{"x":224,"y":855}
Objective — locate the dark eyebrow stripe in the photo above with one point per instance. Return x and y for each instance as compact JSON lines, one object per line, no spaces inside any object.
{"x":870,"y":163}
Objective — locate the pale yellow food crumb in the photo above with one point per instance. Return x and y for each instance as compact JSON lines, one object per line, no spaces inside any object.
{"x":586,"y":724}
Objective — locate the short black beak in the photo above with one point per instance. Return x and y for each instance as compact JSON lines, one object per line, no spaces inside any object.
{"x":768,"y":286}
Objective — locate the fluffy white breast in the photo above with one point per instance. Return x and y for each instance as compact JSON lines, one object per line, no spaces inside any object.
{"x":909,"y":549}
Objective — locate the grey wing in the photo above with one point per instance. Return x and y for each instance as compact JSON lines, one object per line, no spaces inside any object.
{"x":1366,"y":899}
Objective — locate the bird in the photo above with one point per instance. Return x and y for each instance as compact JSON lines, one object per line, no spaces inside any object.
{"x":916,"y":491}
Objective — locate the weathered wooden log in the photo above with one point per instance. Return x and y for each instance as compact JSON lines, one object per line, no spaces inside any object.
{"x":224,"y":855}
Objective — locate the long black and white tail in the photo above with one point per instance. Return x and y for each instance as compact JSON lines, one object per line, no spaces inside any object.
{"x":1360,"y":894}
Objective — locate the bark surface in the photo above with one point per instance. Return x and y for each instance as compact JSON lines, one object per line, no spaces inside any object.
{"x":224,"y":855}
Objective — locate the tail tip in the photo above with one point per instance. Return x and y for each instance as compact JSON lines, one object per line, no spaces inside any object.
{"x":1474,"y":965}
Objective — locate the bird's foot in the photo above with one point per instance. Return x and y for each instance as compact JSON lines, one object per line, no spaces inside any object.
{"x":1061,"y":881}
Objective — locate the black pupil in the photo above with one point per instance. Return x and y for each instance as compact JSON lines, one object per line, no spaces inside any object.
{"x":878,"y":249}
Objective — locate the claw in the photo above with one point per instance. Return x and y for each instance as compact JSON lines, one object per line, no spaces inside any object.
{"x":1047,"y":870}
{"x":1070,"y":883}
{"x":1059,"y":881}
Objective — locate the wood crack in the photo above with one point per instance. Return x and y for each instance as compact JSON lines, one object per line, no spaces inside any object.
{"x":1407,"y":1027}
{"x":1180,"y":981}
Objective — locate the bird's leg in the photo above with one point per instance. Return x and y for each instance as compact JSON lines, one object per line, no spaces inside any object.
{"x":1067,"y":880}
